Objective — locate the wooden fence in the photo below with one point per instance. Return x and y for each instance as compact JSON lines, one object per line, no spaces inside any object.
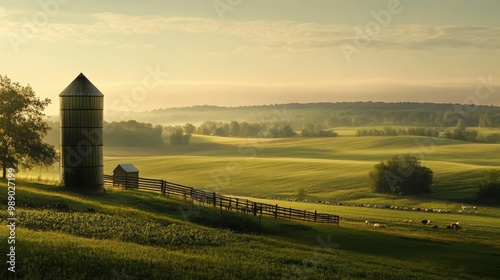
{"x":221,"y":201}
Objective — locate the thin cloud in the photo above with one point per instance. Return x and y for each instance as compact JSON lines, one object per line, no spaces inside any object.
{"x":266,"y":35}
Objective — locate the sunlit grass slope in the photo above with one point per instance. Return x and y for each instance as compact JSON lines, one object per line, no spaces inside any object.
{"x":334,"y":168}
{"x":327,"y":168}
{"x":141,"y":235}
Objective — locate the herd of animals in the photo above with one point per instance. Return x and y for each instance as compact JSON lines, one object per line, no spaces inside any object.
{"x":455,"y":226}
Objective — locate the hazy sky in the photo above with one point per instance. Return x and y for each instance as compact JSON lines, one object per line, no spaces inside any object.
{"x":150,"y":54}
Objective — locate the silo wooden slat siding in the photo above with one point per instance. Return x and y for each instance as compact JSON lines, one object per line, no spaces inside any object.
{"x":81,"y":125}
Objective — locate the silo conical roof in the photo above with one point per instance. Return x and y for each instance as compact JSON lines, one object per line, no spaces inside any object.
{"x":81,"y":86}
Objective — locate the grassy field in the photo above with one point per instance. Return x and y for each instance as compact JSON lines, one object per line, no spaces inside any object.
{"x":328,"y":169}
{"x":145,"y":235}
{"x":141,"y":235}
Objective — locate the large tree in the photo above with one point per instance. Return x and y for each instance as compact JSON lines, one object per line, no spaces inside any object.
{"x":403,"y":175}
{"x":22,"y":128}
{"x":489,"y":187}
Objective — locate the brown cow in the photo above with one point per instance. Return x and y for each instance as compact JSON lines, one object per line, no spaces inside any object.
{"x":426,"y":222}
{"x":456,"y":226}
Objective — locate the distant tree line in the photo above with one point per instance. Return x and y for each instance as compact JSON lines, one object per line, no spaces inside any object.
{"x":311,"y":130}
{"x":389,"y":131}
{"x":331,"y":115}
{"x":179,"y":135}
{"x":460,"y":132}
{"x":132,"y":133}
{"x":245,"y":129}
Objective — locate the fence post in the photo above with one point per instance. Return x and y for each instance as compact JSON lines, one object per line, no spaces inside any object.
{"x":213,"y":198}
{"x":165,"y":188}
{"x":162,"y":187}
{"x":237,"y":205}
{"x":276,"y":212}
{"x":220,"y":205}
{"x":254,"y":206}
{"x":315,"y":215}
{"x":126,"y":180}
{"x":192,"y":198}
{"x":290,"y":214}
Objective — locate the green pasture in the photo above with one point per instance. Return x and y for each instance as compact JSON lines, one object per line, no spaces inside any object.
{"x":143,"y":235}
{"x":327,"y":168}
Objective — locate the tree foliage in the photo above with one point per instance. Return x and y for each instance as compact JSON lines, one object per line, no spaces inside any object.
{"x":301,"y":194}
{"x":489,"y":187}
{"x":22,"y":128}
{"x":132,"y":134}
{"x":245,"y":129}
{"x":180,"y":135}
{"x":311,"y":130}
{"x":403,"y":175}
{"x":389,"y":131}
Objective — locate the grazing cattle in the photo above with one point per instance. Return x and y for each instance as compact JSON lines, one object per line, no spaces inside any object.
{"x":456,"y":226}
{"x":434,"y":226}
{"x":91,"y":210}
{"x":459,"y":211}
{"x":426,"y":222}
{"x":376,"y":225}
{"x":410,"y":221}
{"x":62,"y":207}
{"x":464,"y":207}
{"x":448,"y":227}
{"x":367,"y":223}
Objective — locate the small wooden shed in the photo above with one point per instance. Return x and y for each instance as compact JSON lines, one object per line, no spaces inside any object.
{"x":126,"y":175}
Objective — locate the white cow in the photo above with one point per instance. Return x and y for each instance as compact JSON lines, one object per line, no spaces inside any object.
{"x":379,"y":225}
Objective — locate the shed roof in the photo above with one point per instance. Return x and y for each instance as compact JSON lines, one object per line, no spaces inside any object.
{"x":127,"y":167}
{"x":81,"y":86}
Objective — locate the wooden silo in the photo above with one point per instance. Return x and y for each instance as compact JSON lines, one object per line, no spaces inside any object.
{"x":81,"y":127}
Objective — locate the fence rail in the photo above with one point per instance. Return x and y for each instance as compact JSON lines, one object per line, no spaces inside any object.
{"x":221,"y":201}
